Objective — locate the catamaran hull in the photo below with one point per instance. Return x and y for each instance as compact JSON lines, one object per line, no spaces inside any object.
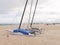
{"x":24,"y":32}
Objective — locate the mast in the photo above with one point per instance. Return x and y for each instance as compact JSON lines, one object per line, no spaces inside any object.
{"x":30,"y":14}
{"x":33,"y":14}
{"x":23,"y":14}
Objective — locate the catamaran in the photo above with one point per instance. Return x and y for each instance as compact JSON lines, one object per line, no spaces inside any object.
{"x":27,"y":32}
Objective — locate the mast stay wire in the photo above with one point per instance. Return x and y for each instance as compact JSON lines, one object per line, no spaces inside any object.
{"x":14,"y":18}
{"x":28,"y":25}
{"x":34,"y":14}
{"x":18,"y":14}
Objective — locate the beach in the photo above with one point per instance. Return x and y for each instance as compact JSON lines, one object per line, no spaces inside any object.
{"x":49,"y":36}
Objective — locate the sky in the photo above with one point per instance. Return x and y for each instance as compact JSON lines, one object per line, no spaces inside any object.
{"x":48,"y":11}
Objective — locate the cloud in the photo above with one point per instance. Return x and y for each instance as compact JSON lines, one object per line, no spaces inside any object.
{"x":8,"y":5}
{"x":47,"y":11}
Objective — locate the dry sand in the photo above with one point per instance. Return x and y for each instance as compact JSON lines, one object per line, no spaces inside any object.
{"x":50,"y":36}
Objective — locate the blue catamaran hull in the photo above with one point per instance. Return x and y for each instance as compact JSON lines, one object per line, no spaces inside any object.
{"x":23,"y":31}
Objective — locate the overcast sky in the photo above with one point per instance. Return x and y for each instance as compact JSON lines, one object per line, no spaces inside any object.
{"x":47,"y":11}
